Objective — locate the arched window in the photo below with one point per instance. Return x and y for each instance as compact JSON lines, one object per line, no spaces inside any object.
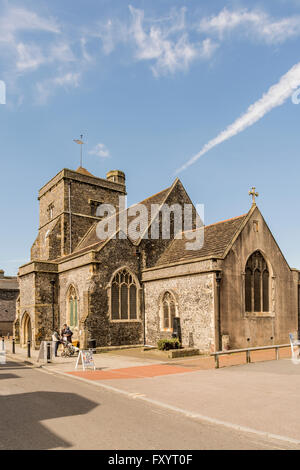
{"x":256,"y":284}
{"x":73,"y":307}
{"x":169,"y":311}
{"x":123,"y":296}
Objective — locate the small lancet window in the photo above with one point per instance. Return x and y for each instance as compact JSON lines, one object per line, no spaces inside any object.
{"x":73,"y":307}
{"x":169,"y":311}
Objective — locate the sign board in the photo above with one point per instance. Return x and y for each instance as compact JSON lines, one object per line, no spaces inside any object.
{"x":2,"y":357}
{"x":86,"y":358}
{"x":43,"y":351}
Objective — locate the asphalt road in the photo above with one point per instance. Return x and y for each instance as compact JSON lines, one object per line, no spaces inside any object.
{"x":41,"y":410}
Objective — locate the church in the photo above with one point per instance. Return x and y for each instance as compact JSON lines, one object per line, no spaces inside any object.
{"x":236,"y":290}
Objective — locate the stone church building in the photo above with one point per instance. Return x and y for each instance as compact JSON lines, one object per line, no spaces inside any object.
{"x":9,"y":291}
{"x":237,"y":289}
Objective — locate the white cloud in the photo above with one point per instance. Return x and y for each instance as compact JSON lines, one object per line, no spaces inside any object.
{"x":28,"y":56}
{"x":166,"y":42}
{"x":255,"y":23}
{"x":22,"y":54}
{"x":61,"y":52}
{"x":100,"y":150}
{"x":48,"y":87}
{"x":111,"y":33}
{"x":16,"y":20}
{"x":275,"y":96}
{"x":169,"y":44}
{"x":22,"y":51}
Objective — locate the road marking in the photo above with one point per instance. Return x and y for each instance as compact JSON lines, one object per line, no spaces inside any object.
{"x":186,"y":413}
{"x":136,"y":395}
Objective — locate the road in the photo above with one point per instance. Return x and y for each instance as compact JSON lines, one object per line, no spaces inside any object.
{"x":42,"y":410}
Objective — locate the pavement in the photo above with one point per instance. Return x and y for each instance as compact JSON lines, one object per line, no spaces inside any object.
{"x":261,"y":398}
{"x":41,"y":409}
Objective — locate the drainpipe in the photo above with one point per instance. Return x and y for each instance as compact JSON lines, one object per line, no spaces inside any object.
{"x":218,"y":283}
{"x":142,"y":299}
{"x":144,"y":317}
{"x":53,"y":305}
{"x":70,"y":217}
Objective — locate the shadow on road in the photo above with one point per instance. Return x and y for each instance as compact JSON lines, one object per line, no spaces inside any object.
{"x":9,"y":376}
{"x":21,"y":416}
{"x":10,"y":365}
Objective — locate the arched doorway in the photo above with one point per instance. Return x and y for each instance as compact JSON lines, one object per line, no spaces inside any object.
{"x":26,"y":329}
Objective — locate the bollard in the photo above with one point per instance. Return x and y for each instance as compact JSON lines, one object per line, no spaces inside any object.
{"x":48,"y":352}
{"x":217,"y":364}
{"x":248,"y":358}
{"x":13,"y":346}
{"x":28,"y":348}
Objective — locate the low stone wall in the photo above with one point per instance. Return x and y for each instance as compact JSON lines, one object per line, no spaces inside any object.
{"x":183,"y":352}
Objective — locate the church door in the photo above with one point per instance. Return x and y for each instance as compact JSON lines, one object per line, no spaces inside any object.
{"x":27,"y":330}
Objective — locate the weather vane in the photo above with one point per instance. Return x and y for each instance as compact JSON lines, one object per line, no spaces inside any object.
{"x":80,"y":142}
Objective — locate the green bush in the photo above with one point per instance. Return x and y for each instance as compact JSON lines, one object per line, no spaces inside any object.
{"x":166,"y":344}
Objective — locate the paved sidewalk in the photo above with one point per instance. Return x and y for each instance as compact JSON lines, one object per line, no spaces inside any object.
{"x":261,"y":397}
{"x":103,"y":361}
{"x":135,"y":362}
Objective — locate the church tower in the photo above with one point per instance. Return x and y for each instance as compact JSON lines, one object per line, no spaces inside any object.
{"x":67,"y":209}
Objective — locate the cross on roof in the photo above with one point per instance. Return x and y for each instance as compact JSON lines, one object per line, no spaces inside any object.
{"x":254,"y":195}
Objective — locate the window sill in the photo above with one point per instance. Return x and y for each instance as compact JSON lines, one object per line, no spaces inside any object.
{"x":136,"y":320}
{"x":260,"y":314}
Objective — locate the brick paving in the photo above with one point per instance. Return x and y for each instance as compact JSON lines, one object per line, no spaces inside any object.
{"x":152,"y":370}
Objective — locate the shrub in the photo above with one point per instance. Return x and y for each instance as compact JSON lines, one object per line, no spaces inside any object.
{"x":165,"y":344}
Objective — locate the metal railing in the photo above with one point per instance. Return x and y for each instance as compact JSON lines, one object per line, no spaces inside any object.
{"x":247,"y":351}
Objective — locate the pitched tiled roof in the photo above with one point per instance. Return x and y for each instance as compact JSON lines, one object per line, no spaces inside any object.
{"x":217,"y":237}
{"x":83,"y":171}
{"x":91,"y":237}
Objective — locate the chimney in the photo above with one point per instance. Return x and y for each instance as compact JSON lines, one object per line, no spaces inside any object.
{"x":116,"y":176}
{"x":1,"y":274}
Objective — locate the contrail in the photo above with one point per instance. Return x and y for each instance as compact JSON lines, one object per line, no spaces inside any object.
{"x":275,"y":96}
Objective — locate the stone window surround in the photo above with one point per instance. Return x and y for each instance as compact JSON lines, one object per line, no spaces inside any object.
{"x":138,"y":298}
{"x":69,"y":294}
{"x":272,"y":289}
{"x":161,"y":310}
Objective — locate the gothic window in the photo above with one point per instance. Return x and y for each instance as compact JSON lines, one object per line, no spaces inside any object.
{"x":123,"y":297}
{"x":256,"y":284}
{"x":73,"y":307}
{"x":169,"y":311}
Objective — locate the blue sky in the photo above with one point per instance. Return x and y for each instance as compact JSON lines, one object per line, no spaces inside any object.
{"x":150,"y":85}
